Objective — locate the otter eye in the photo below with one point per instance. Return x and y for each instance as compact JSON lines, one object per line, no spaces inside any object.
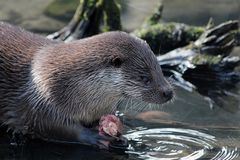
{"x":116,"y":62}
{"x":145,"y":80}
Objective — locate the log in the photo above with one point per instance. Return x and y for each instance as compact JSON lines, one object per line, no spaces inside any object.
{"x":206,"y":65}
{"x":91,"y":17}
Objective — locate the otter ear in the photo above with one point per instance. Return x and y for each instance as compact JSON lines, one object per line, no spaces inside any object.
{"x":116,"y":62}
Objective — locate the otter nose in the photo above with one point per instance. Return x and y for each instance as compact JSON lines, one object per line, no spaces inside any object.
{"x":168,"y":94}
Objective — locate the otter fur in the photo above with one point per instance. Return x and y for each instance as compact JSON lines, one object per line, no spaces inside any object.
{"x":54,"y":89}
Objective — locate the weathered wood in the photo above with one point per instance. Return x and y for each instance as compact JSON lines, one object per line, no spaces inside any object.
{"x":205,"y":65}
{"x":164,"y":37}
{"x":91,"y":17}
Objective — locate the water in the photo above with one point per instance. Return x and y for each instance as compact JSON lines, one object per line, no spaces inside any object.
{"x":186,"y":129}
{"x":177,"y":143}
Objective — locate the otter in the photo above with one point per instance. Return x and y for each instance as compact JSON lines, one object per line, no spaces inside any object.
{"x":55,"y":90}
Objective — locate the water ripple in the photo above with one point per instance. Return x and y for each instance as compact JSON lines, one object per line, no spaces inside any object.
{"x":176,"y":143}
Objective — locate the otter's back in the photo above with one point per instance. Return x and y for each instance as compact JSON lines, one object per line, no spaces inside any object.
{"x":17,"y":48}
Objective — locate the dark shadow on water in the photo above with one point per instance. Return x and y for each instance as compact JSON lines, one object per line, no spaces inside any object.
{"x":41,"y":150}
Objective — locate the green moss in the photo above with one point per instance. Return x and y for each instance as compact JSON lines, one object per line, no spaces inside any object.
{"x":85,"y":8}
{"x":165,"y":37}
{"x":206,"y":59}
{"x":111,"y":19}
{"x":195,"y":32}
{"x":155,"y":17}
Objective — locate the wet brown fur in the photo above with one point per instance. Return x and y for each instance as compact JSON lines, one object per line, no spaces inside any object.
{"x":44,"y":84}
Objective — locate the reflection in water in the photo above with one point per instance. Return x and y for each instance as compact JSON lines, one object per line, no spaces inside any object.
{"x":149,"y":144}
{"x":174,"y":143}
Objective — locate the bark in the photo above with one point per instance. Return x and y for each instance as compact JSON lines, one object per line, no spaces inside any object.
{"x":164,"y":37}
{"x":91,"y":17}
{"x":206,"y":65}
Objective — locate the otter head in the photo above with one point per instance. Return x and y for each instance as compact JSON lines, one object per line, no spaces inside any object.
{"x":131,"y":68}
{"x":86,"y":79}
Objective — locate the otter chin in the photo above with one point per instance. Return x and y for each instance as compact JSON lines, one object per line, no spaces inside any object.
{"x":54,"y":89}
